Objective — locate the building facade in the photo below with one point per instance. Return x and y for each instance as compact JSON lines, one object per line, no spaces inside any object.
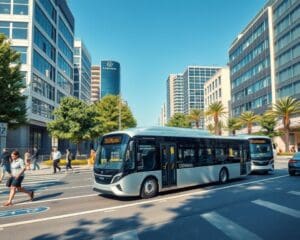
{"x":82,"y":72}
{"x":251,"y":61}
{"x":95,"y":83}
{"x":217,"y":89}
{"x":163,"y":116}
{"x":175,"y":99}
{"x":43,"y":32}
{"x":110,"y":78}
{"x":194,"y":78}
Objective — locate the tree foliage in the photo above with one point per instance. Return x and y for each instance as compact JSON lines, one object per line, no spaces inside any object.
{"x":179,"y":120}
{"x":216,"y":110}
{"x":195,"y":116}
{"x":248,"y":119}
{"x":233,"y":125}
{"x":13,"y":103}
{"x":284,"y":109}
{"x":268,"y":123}
{"x":108,"y":111}
{"x":74,"y":121}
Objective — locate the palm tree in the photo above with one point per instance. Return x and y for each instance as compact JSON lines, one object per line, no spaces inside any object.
{"x":248,"y":119}
{"x":210,"y":128}
{"x":195,"y":116}
{"x":216,"y":110}
{"x":233,"y":125}
{"x":284,"y":109}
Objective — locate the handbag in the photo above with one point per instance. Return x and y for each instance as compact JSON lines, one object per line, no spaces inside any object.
{"x":9,"y":181}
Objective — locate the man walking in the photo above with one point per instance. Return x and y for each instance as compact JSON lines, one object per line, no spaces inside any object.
{"x":4,"y":163}
{"x":35,"y":158}
{"x":56,"y":155}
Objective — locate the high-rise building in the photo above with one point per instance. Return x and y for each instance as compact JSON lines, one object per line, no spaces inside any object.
{"x":251,"y":61}
{"x":265,"y":62}
{"x":194,"y":78}
{"x":43,"y":32}
{"x":163,"y":116}
{"x":217,"y":89}
{"x":174,"y":95}
{"x":95,"y":84}
{"x":110,"y":78}
{"x":82,"y":71}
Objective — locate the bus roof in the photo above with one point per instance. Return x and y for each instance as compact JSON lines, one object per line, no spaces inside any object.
{"x":178,"y":132}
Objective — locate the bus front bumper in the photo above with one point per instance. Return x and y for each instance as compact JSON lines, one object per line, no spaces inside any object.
{"x":260,"y":166}
{"x":110,"y":189}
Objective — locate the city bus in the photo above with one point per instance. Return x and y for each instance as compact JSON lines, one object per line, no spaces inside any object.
{"x":261,"y":153}
{"x":145,"y":161}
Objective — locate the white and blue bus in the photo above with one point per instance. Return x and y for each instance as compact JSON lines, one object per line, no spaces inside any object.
{"x":145,"y":161}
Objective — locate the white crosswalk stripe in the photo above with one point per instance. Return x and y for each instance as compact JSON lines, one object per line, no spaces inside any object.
{"x":294,"y":193}
{"x":278,"y":208}
{"x":130,"y":235}
{"x":228,"y":227}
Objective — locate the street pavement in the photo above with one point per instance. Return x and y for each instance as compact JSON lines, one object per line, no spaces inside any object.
{"x":66,"y":207}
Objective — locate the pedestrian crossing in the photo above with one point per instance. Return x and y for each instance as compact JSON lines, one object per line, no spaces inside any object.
{"x":231,"y":229}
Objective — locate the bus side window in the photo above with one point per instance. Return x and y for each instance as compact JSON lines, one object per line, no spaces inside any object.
{"x":146,"y":157}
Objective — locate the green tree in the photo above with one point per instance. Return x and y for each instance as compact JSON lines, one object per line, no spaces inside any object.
{"x":268,"y":123}
{"x":195,"y":116}
{"x":179,"y":120}
{"x":284,"y":109}
{"x":216,"y":110}
{"x":233,"y":125}
{"x":112,"y":114}
{"x":247,"y":119}
{"x":13,"y":103}
{"x":74,"y":121}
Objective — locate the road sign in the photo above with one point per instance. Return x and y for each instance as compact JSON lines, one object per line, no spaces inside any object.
{"x":22,"y":211}
{"x":3,"y":129}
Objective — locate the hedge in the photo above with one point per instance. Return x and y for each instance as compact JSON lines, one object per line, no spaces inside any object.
{"x":63,"y":162}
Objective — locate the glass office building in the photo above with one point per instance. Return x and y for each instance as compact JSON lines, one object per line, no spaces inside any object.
{"x":43,"y":32}
{"x":194,"y":78}
{"x":110,"y":78}
{"x":82,"y":72}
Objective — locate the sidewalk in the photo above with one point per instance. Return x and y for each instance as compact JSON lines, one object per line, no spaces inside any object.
{"x":48,"y":170}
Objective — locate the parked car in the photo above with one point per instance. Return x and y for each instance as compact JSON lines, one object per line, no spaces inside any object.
{"x":294,"y":164}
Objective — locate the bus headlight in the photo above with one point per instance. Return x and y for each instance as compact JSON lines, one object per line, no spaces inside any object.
{"x":116,"y":178}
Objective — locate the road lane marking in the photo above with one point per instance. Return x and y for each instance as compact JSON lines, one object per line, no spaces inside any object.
{"x":294,"y":193}
{"x":55,"y":199}
{"x":228,"y":227}
{"x":278,"y":208}
{"x":130,"y":235}
{"x":131,"y":204}
{"x":22,"y":211}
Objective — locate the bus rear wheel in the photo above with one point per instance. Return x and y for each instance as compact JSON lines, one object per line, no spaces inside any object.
{"x":223,"y":176}
{"x":149,"y":188}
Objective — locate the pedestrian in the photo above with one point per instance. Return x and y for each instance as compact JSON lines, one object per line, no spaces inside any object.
{"x":4,"y":163}
{"x":18,"y":168}
{"x":27,"y":159}
{"x":91,"y":160}
{"x":69,"y":158}
{"x":35,"y":158}
{"x":56,"y":155}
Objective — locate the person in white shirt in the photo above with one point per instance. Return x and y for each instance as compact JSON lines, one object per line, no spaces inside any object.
{"x":18,"y":168}
{"x":56,"y":155}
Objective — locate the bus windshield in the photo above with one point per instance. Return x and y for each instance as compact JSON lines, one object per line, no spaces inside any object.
{"x":260,"y":148}
{"x":111,"y":152}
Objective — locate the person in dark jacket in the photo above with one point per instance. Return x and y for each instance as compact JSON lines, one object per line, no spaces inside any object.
{"x":69,"y":158}
{"x":4,"y":163}
{"x":35,"y":158}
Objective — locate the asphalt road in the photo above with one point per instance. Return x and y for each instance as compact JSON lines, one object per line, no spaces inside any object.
{"x":65,"y":207}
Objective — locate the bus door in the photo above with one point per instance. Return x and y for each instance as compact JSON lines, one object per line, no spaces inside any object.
{"x":244,"y":157}
{"x":168,"y":164}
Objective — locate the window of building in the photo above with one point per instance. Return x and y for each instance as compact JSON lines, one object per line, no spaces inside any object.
{"x":23,"y":52}
{"x":220,"y":93}
{"x":65,"y":67}
{"x":44,"y":22}
{"x":41,"y":41}
{"x":43,"y":66}
{"x":42,"y":109}
{"x":4,"y":6}
{"x":42,"y":88}
{"x":19,"y":30}
{"x":4,"y":28}
{"x":49,"y":9}
{"x":20,"y":7}
{"x":66,"y":33}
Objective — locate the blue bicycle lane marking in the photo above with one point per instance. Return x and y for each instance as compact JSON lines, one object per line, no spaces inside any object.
{"x":22,"y":211}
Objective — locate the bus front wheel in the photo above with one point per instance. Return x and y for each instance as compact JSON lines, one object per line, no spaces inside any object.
{"x":149,"y":188}
{"x":223,"y":176}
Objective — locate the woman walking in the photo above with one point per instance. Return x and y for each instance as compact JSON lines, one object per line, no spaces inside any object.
{"x":69,"y":158}
{"x":18,"y":168}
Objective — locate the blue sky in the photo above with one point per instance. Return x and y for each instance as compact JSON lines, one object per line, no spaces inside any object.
{"x":153,"y":38}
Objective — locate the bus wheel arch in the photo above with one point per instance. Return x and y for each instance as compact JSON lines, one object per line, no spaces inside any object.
{"x":149,"y":187}
{"x":223,"y":175}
